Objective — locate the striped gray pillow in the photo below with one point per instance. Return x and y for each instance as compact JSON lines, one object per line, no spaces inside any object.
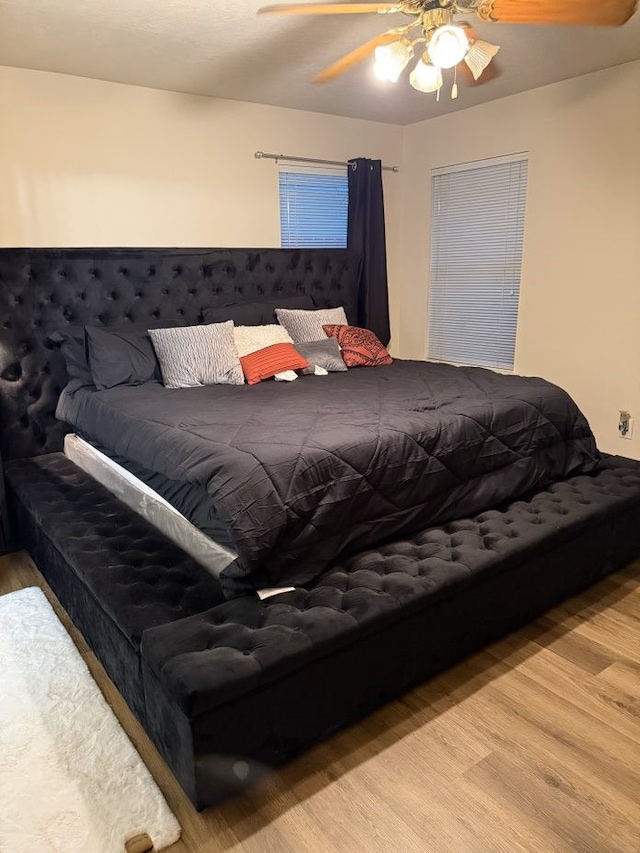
{"x":197,"y":355}
{"x":307,"y":325}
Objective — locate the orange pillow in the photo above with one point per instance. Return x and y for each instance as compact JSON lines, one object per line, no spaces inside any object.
{"x":359,"y":347}
{"x":265,"y":363}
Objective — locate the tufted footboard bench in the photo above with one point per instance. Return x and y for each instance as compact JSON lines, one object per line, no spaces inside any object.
{"x":227,"y":689}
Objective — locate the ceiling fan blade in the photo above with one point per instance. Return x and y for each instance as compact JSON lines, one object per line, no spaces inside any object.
{"x":603,"y":13}
{"x":350,"y":59}
{"x":329,"y":8}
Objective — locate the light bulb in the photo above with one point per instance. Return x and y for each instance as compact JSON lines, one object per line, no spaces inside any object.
{"x":448,"y":46}
{"x":392,"y":59}
{"x":425,"y":77}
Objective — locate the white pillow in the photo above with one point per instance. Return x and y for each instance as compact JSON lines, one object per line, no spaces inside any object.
{"x":306,"y":326}
{"x":190,"y":356}
{"x":251,"y":338}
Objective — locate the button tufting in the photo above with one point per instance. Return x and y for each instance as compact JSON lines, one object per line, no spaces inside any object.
{"x":13,"y":372}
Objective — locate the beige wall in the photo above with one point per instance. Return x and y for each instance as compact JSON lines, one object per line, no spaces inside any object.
{"x":90,"y":163}
{"x":579,"y":321}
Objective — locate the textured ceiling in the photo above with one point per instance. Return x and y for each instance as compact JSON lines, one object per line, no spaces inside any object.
{"x":222,"y":48}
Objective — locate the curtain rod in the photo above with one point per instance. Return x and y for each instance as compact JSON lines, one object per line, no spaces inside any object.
{"x":260,"y":155}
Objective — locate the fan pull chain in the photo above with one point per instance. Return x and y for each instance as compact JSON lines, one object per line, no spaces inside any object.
{"x":454,"y":88}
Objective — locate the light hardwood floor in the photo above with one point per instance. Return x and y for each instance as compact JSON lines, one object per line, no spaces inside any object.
{"x":531,"y":745}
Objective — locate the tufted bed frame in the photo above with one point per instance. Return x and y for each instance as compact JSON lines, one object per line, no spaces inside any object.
{"x":229,"y":689}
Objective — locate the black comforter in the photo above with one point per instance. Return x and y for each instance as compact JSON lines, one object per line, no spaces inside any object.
{"x":302,"y":472}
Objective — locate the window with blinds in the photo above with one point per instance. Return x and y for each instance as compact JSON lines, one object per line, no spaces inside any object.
{"x":476,"y":255}
{"x":313,"y":206}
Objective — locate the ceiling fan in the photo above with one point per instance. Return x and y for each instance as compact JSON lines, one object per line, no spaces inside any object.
{"x":442,"y":42}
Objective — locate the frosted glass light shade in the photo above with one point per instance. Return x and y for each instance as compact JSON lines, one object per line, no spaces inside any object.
{"x":448,"y":46}
{"x":425,"y":77}
{"x":392,"y":59}
{"x":479,"y":56}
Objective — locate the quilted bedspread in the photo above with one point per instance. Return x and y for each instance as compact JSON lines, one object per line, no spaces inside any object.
{"x":303,"y":472}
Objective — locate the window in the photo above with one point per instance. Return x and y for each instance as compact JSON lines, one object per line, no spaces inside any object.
{"x":313,"y":206}
{"x":476,"y":256}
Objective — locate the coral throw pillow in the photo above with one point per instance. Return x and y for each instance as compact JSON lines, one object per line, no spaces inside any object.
{"x":359,"y":347}
{"x":265,"y":363}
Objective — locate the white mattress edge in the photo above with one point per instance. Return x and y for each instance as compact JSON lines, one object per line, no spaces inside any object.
{"x":143,"y":500}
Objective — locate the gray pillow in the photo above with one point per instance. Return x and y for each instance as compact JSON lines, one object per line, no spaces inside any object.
{"x":307,"y":325}
{"x":324,"y":354}
{"x":198,"y":355}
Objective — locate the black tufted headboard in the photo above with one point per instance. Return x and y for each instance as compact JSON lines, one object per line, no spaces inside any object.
{"x":42,"y":290}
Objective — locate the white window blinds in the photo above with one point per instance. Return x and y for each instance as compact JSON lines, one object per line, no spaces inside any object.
{"x":313,"y":206}
{"x":476,"y":256}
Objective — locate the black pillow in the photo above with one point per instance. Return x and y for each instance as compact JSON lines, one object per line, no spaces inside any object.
{"x":73,"y":346}
{"x":121,"y":357}
{"x":322,"y":354}
{"x":255,"y":313}
{"x":124,"y":355}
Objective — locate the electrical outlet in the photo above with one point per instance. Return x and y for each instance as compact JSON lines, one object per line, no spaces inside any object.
{"x":625,"y":424}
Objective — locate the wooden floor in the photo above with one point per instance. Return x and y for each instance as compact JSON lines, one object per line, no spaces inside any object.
{"x":530,"y":745}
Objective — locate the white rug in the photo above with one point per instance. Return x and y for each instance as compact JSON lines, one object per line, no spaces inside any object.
{"x":70,"y":779}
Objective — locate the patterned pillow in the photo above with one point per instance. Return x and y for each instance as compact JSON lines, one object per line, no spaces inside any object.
{"x":306,"y":326}
{"x":359,"y":347}
{"x":251,"y":338}
{"x":270,"y":361}
{"x":197,"y":355}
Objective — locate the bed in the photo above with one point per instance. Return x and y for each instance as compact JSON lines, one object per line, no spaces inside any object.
{"x":405,"y":554}
{"x":303,"y":473}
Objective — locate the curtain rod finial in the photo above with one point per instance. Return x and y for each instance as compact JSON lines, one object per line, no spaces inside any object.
{"x":259,"y":155}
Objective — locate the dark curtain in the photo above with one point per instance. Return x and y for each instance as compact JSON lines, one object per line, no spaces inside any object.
{"x":366,"y":233}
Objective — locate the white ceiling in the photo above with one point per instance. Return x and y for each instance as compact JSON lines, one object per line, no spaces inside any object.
{"x":222,"y":48}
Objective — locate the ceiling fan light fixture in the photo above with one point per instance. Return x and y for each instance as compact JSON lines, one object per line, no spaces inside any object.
{"x":426,"y":77}
{"x":448,"y":46}
{"x":479,"y":56}
{"x":392,"y":59}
